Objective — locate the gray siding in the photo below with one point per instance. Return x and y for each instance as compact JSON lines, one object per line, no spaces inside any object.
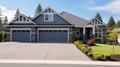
{"x":57,"y":20}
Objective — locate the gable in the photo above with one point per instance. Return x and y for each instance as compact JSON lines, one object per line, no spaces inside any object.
{"x":56,"y":18}
{"x":21,"y":20}
{"x":97,"y":23}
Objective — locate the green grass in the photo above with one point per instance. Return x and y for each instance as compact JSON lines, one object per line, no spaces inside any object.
{"x":106,"y":49}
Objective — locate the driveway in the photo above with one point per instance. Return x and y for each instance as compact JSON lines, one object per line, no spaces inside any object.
{"x":41,"y":51}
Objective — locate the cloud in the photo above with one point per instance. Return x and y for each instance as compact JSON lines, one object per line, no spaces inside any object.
{"x":7,"y":12}
{"x":112,"y":7}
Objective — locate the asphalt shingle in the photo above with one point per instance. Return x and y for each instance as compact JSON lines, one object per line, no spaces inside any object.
{"x":75,"y":20}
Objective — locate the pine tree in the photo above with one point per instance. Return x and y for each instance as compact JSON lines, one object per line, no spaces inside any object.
{"x":5,"y":20}
{"x":111,"y":23}
{"x":17,"y":13}
{"x":38,"y":10}
{"x":118,"y":24}
{"x":98,"y":17}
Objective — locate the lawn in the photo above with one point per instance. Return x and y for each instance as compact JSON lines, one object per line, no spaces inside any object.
{"x":106,"y":49}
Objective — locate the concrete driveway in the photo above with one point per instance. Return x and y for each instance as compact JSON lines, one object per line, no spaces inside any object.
{"x":41,"y":51}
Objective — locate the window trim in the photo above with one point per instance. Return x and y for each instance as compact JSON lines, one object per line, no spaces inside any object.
{"x":49,"y":14}
{"x":98,"y":32}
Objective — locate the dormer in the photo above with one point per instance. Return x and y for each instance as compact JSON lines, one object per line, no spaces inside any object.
{"x":48,"y":15}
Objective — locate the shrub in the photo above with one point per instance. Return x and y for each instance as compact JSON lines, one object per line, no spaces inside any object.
{"x":91,"y":42}
{"x":0,"y":37}
{"x":106,"y":56}
{"x":4,"y":36}
{"x":74,"y":38}
{"x":77,"y":43}
{"x":97,"y":56}
{"x":90,"y":53}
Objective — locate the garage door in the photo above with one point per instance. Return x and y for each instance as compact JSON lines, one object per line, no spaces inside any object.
{"x":21,"y":35}
{"x":53,"y":36}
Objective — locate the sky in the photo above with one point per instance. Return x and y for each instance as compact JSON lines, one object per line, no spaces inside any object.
{"x":86,"y":9}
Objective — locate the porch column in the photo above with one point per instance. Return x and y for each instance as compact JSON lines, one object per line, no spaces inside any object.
{"x":93,"y":32}
{"x":84,"y":34}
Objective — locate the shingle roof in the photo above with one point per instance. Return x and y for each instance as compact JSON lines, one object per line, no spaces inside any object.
{"x":75,"y":20}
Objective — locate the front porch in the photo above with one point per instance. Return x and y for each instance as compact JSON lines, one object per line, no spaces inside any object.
{"x":85,"y":33}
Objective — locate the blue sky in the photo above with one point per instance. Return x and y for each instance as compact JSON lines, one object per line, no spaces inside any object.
{"x":86,"y":9}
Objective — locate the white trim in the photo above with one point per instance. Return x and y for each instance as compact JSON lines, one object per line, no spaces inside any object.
{"x":55,"y":12}
{"x":48,"y":14}
{"x":53,"y":29}
{"x":12,"y":21}
{"x":11,"y":29}
{"x":68,"y":36}
{"x":84,"y":30}
{"x":93,"y":30}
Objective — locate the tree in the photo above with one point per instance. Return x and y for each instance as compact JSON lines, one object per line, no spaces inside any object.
{"x":98,"y":17}
{"x":38,"y":10}
{"x":111,"y":23}
{"x":17,"y":13}
{"x":5,"y":20}
{"x":29,"y":17}
{"x":117,"y":24}
{"x":112,"y":35}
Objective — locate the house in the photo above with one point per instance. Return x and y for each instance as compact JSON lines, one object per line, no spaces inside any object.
{"x":1,"y":27}
{"x":50,"y":26}
{"x":118,"y":34}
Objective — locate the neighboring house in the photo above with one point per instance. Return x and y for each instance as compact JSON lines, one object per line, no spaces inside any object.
{"x":1,"y":27}
{"x":118,"y":36}
{"x":49,"y":26}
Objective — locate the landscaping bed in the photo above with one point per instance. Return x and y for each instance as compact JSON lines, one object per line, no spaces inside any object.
{"x":101,"y":52}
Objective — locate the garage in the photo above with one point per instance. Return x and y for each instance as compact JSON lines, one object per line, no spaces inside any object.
{"x":53,"y":35}
{"x":21,"y":35}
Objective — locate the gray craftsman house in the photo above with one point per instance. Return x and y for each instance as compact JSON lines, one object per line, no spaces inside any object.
{"x":51,"y":26}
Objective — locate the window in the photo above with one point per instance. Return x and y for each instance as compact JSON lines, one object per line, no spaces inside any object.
{"x":98,"y":33}
{"x":48,"y":17}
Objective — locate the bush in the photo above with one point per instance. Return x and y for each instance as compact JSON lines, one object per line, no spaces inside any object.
{"x":3,"y":36}
{"x":74,"y":38}
{"x":106,"y":56}
{"x":77,"y":43}
{"x":97,"y":56}
{"x":91,"y":42}
{"x":90,"y":53}
{"x":0,"y":37}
